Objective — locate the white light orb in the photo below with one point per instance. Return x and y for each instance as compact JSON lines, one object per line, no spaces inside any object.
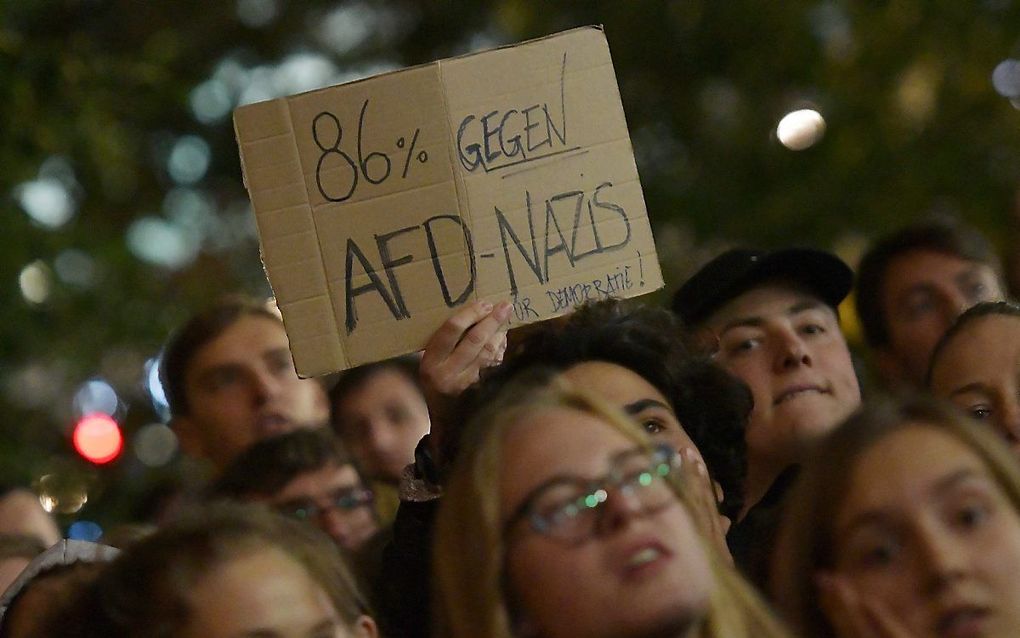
{"x":801,"y":129}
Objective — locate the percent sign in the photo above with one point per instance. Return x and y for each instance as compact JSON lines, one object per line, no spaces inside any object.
{"x":364,"y":164}
{"x":422,"y":155}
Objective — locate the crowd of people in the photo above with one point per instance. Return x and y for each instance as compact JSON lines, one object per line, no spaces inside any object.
{"x":725,"y":467}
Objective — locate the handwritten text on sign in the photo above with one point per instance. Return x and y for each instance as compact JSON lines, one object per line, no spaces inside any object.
{"x":385,"y":203}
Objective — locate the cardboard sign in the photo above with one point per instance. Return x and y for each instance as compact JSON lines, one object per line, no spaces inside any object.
{"x":383,"y":205}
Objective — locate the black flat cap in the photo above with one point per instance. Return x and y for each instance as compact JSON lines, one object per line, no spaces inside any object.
{"x":737,"y":271}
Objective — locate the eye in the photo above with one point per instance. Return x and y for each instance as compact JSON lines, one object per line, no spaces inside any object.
{"x":812,"y":329}
{"x":878,"y":555}
{"x":919,"y":307}
{"x":742,"y":346}
{"x":279,"y":362}
{"x":653,"y":425}
{"x":398,"y":413}
{"x":222,"y":378}
{"x":971,"y":516}
{"x":980,"y":412}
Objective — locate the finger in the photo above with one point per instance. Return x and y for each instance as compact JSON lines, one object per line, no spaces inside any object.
{"x":882,"y":620}
{"x":841,"y":605}
{"x":448,"y":335}
{"x":466,"y":353}
{"x":498,"y":349}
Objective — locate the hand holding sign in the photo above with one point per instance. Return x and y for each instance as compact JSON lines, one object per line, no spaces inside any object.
{"x":473,"y":339}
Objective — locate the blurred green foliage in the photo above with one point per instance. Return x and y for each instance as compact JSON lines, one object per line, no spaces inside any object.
{"x":914,"y":126}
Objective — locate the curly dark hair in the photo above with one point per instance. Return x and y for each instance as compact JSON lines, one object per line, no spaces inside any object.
{"x":712,"y":405}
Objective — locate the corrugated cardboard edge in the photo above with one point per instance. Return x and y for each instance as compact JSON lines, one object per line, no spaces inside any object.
{"x":333,"y":356}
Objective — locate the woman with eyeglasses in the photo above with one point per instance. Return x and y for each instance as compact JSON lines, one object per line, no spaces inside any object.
{"x":561,"y":519}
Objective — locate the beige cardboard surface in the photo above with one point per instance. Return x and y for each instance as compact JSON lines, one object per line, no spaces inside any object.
{"x":385,"y":204}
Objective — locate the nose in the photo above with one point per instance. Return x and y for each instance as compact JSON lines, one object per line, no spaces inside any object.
{"x":791,"y":351}
{"x":333,"y":523}
{"x":264,"y":385}
{"x":1009,"y":423}
{"x":620,"y":506}
{"x":954,"y":303}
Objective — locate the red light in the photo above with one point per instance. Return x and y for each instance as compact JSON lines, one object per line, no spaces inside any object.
{"x":97,"y":438}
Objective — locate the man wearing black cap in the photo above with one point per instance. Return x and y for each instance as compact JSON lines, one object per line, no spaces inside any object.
{"x":772,"y":320}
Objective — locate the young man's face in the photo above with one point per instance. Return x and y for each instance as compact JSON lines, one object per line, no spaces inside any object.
{"x":381,"y":422}
{"x":923,"y":293}
{"x":786,"y":345}
{"x":333,"y":498}
{"x":241,"y":387}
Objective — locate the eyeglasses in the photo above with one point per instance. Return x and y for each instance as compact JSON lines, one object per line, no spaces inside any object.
{"x":345,"y":500}
{"x":568,"y":508}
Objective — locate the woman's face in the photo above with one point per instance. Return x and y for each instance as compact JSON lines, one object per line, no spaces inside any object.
{"x":927,"y":530}
{"x":639,"y":569}
{"x":262,"y":593}
{"x":979,"y":371}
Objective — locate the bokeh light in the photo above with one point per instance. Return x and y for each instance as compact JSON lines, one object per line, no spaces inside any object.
{"x":155,"y":445}
{"x":189,"y":159}
{"x":62,"y":493}
{"x":1006,"y":79}
{"x":347,"y":27}
{"x":47,"y":202}
{"x":36,"y":282}
{"x":154,"y":388}
{"x":162,"y":243}
{"x":210,"y":102}
{"x":76,"y":268}
{"x":257,"y":13}
{"x":85,"y":531}
{"x":97,"y":438}
{"x":96,"y":395}
{"x":800,"y":129}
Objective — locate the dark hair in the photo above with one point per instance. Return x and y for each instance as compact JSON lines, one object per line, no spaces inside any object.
{"x":268,"y":465}
{"x":983,"y":309}
{"x":946,"y":236}
{"x":805,"y":540}
{"x":712,"y":405}
{"x":145,"y":591}
{"x":194,"y":335}
{"x":351,"y":380}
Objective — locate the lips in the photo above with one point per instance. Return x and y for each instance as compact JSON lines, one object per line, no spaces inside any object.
{"x":798,"y":390}
{"x":962,"y":621}
{"x":643,"y":558}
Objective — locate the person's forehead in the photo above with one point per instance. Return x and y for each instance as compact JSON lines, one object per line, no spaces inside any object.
{"x":612,"y":380}
{"x":248,"y":336}
{"x":982,"y":343}
{"x":924,"y":265}
{"x":387,"y":386}
{"x":558,"y":441}
{"x":908,"y":467}
{"x":315,"y":482}
{"x":768,"y":300}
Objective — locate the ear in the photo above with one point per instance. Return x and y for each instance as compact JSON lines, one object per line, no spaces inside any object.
{"x":365,"y":627}
{"x":189,"y":436}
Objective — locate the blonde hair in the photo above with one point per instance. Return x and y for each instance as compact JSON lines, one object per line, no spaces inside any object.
{"x":471,"y":597}
{"x":805,"y":538}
